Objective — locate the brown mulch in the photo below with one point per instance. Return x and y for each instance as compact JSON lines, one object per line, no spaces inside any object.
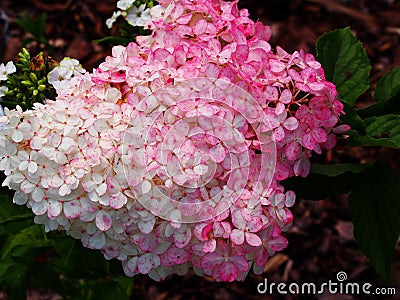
{"x":321,"y":241}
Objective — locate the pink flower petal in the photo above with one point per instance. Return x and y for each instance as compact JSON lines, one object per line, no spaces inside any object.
{"x":292,"y":150}
{"x":280,"y":107}
{"x":290,"y":198}
{"x":276,"y":65}
{"x":103,"y":220}
{"x":237,"y":236}
{"x":308,"y":140}
{"x":72,"y":209}
{"x":240,"y":262}
{"x":209,"y":246}
{"x":217,"y":153}
{"x":97,"y":241}
{"x":278,"y":134}
{"x":228,"y":272}
{"x":286,"y":96}
{"x":278,"y":243}
{"x":145,"y":263}
{"x":291,"y":123}
{"x":253,"y":239}
{"x":319,"y":135}
{"x":241,"y":54}
{"x":177,"y":256}
{"x":147,"y":227}
{"x":200,"y":27}
{"x":302,"y":167}
{"x":210,"y":260}
{"x":39,"y":208}
{"x":53,"y":209}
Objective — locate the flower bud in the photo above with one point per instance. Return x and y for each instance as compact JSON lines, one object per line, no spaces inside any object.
{"x":26,"y":82}
{"x":33,"y":76}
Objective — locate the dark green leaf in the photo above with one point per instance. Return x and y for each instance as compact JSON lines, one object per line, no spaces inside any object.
{"x":15,"y":218}
{"x":381,"y":108}
{"x":4,"y":266}
{"x":15,"y":281}
{"x":337,"y":169}
{"x":84,"y":262}
{"x":387,"y":126}
{"x":64,"y":247}
{"x":345,"y":62}
{"x":114,"y":40}
{"x":35,"y":27}
{"x":352,"y":119}
{"x":8,"y":208}
{"x":43,"y":276}
{"x":382,"y":131}
{"x":372,"y":142}
{"x":32,"y":237}
{"x":388,"y":86}
{"x":105,"y":290}
{"x":318,"y":187}
{"x":375,"y":209}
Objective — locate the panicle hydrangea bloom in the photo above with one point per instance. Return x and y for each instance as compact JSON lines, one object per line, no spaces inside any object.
{"x":170,"y":154}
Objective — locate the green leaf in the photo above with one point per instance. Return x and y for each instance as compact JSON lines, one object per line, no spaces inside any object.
{"x":352,"y":119}
{"x":345,"y":62}
{"x":371,"y":142}
{"x":388,"y":86}
{"x":32,"y":237}
{"x":15,"y":281}
{"x":381,"y":131}
{"x":22,"y":217}
{"x":4,"y":266}
{"x":13,"y":217}
{"x":387,"y":126}
{"x":387,"y":96}
{"x":375,"y":210}
{"x":104,"y":290}
{"x":381,"y":108}
{"x":64,"y":246}
{"x":337,"y":169}
{"x":83,"y":262}
{"x":43,"y":276}
{"x":93,"y":262}
{"x":8,"y":208}
{"x":35,"y":27}
{"x":318,"y":186}
{"x":114,"y":40}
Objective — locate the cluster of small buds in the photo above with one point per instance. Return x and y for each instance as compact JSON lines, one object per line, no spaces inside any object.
{"x":60,"y":75}
{"x":170,"y":154}
{"x":26,"y":82}
{"x":135,"y":12}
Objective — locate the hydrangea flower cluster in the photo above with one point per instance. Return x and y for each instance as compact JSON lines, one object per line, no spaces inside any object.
{"x":170,"y":154}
